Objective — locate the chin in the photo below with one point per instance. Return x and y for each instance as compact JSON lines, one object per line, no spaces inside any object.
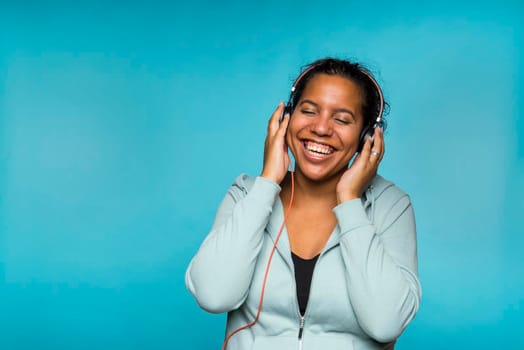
{"x":321,"y":175}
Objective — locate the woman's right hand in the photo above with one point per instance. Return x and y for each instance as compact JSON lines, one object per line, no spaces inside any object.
{"x":276,"y":158}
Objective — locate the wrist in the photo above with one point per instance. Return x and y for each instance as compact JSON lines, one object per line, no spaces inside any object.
{"x":269,"y":177}
{"x":346,"y":196}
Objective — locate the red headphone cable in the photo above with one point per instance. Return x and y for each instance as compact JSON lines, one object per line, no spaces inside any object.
{"x":267,"y":266}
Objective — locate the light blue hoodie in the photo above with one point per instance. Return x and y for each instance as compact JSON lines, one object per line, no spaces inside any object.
{"x":364,"y":290}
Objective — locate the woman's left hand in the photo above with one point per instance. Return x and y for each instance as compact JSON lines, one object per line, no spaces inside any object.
{"x":363,"y":169}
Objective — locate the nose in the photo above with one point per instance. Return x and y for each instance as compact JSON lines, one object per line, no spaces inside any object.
{"x":321,"y":126}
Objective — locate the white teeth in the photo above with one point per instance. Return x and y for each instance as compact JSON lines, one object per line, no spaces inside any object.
{"x":318,"y":148}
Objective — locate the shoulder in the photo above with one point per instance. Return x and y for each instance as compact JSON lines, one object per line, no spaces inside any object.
{"x":386,"y":193}
{"x":391,"y":210}
{"x":389,"y":202}
{"x":258,"y":186}
{"x":244,"y":182}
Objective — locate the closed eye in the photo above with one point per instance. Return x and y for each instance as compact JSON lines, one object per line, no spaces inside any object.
{"x":308,"y":112}
{"x":342,"y":121}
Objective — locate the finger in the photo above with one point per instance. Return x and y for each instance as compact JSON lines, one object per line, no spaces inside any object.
{"x":356,"y":160}
{"x":379,"y":143}
{"x":374,"y":156}
{"x":366,"y":149}
{"x":377,"y":150}
{"x":275,"y":117}
{"x":383,"y":144}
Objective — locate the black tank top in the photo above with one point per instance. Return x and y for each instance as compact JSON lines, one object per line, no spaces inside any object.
{"x":303,"y":274}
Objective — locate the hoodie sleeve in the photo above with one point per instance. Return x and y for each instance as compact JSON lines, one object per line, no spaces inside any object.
{"x":220,"y":274}
{"x":381,"y":265}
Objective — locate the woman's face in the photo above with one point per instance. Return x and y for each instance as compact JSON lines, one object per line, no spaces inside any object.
{"x":324,"y":129}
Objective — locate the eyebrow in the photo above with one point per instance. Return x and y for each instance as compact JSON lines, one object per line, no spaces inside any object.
{"x":344,"y":110}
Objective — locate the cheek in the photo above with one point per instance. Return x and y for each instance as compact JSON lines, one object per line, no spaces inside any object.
{"x":288,"y":138}
{"x":351,"y":137}
{"x":291,"y":131}
{"x":291,"y":136}
{"x":291,"y":142}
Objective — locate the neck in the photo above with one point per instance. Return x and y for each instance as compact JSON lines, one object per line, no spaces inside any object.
{"x":314,"y":194}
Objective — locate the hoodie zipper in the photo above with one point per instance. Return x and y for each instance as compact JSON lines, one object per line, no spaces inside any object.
{"x":301,"y":331}
{"x":302,"y":318}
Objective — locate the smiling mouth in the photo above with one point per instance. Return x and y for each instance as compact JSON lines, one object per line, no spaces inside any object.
{"x":318,"y":149}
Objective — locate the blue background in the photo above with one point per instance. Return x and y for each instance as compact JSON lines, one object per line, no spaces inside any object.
{"x":122,"y":126}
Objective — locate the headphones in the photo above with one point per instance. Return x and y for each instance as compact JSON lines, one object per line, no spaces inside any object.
{"x":368,"y":130}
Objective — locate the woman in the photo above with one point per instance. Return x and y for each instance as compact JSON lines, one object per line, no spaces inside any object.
{"x":344,"y":275}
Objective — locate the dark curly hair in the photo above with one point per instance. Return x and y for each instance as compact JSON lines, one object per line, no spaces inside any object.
{"x":353,"y":71}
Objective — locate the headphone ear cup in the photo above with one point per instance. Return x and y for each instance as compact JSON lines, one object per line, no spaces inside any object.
{"x":364,"y":134}
{"x":287,"y":110}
